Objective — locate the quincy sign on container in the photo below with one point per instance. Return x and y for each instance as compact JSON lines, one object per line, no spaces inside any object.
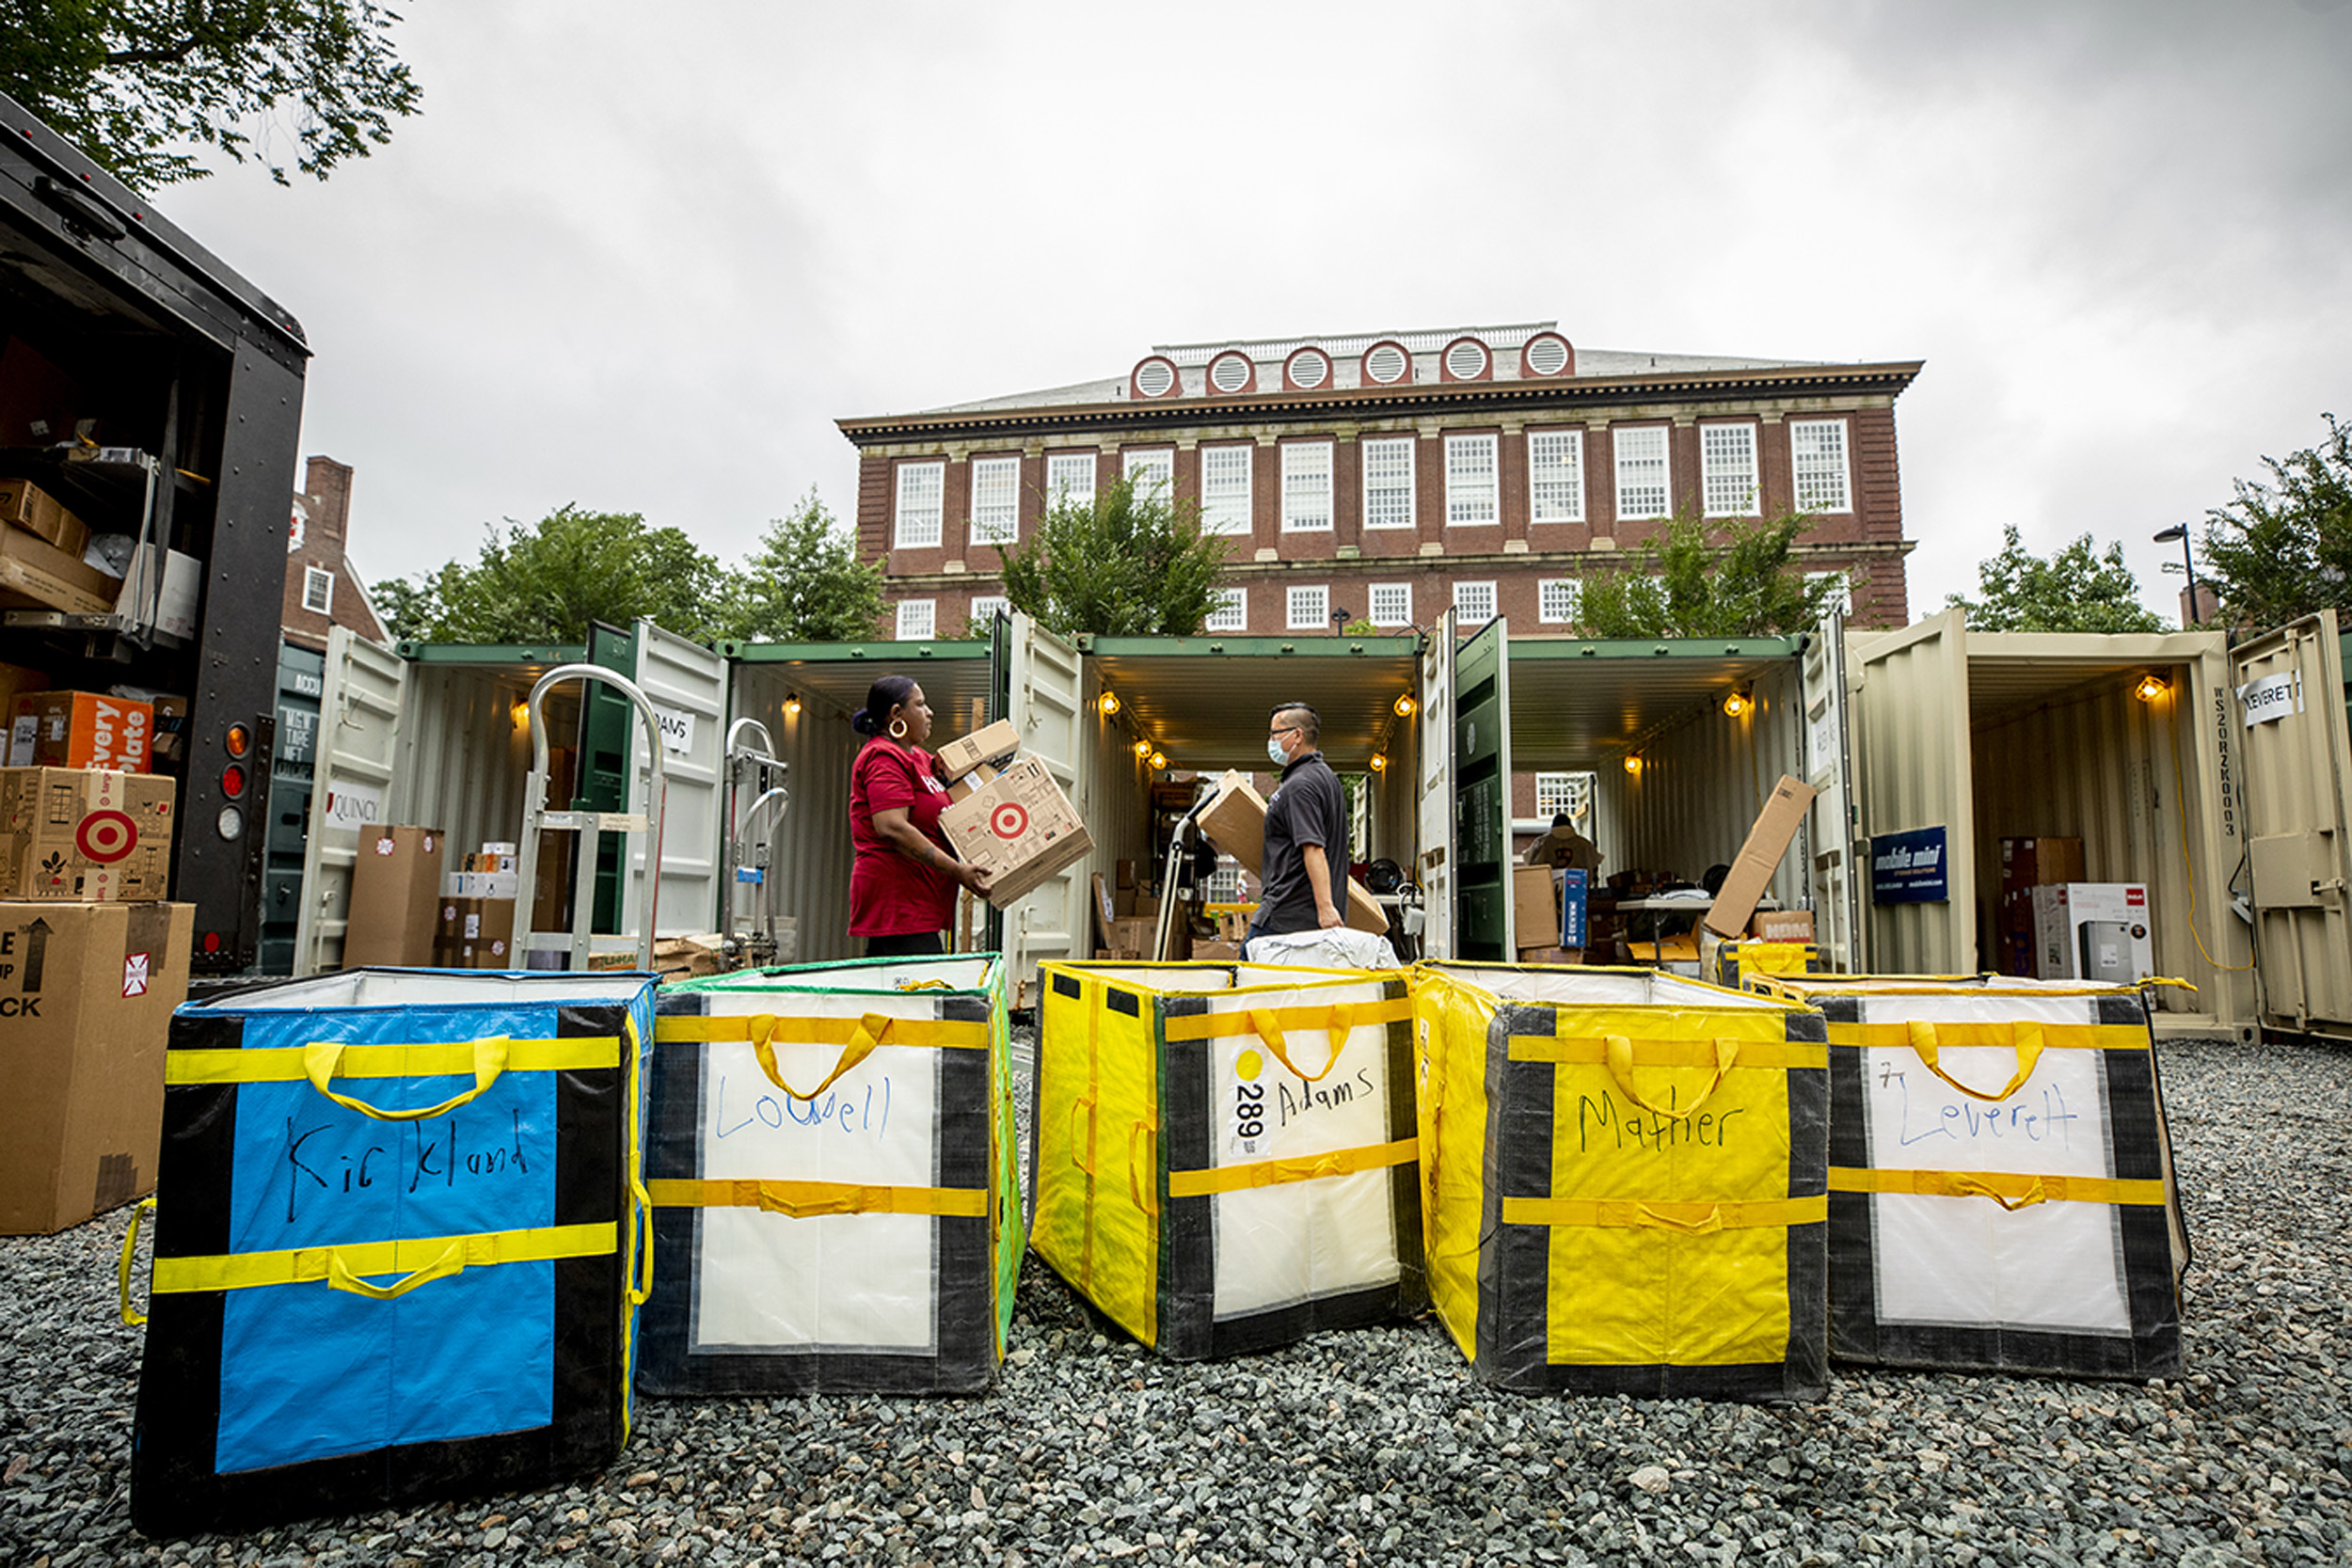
{"x":2001,"y":1190}
{"x":1223,"y":1156}
{"x":833,"y":1169}
{"x":1625,"y":1179}
{"x":396,"y":1245}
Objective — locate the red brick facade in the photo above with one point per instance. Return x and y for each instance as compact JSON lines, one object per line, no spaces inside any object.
{"x":1513,"y":551}
{"x":317,"y":534}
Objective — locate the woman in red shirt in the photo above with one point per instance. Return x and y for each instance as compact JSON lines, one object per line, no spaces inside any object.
{"x":902,"y":886}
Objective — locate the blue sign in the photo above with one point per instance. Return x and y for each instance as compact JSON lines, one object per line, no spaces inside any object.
{"x":1572,"y":906}
{"x":1908,"y":869}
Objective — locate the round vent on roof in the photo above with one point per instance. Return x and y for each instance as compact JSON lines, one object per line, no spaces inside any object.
{"x":1156,"y":378}
{"x":1309,"y":369}
{"x":1231,"y":373}
{"x":1547,"y":354}
{"x":1386,"y":364}
{"x":1465,"y":359}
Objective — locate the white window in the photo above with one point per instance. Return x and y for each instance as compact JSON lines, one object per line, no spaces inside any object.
{"x":1232,"y":613}
{"x":1469,"y":480}
{"x":1555,"y":793}
{"x":1224,"y":489}
{"x":1641,"y":472}
{"x":1840,"y":591}
{"x":1154,"y":473}
{"x":1225,"y":881}
{"x":1557,"y":601}
{"x":1069,"y":477}
{"x":1555,"y":475}
{"x":1727,"y":469}
{"x":922,"y":497}
{"x":1389,"y":482}
{"x":985,"y":609}
{"x":1307,"y":486}
{"x":1473,"y":603}
{"x":1819,"y":447}
{"x":318,"y":591}
{"x":916,"y":617}
{"x":995,"y":500}
{"x":1309,"y":608}
{"x":1391,"y":604}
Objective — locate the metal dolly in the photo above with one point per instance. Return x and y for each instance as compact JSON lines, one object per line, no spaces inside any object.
{"x":753,"y":764}
{"x":580,"y":944}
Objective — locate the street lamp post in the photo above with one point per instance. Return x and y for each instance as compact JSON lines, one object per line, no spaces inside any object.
{"x":2188,"y":567}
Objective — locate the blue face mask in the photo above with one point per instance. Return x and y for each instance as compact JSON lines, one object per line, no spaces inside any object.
{"x":1274,"y":751}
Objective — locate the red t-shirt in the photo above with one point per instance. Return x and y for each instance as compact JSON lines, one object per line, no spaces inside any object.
{"x":891,"y":895}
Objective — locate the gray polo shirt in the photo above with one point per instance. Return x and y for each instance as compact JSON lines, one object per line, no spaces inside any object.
{"x":1309,"y":806}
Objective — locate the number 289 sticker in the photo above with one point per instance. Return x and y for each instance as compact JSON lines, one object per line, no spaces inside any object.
{"x":1247,"y":1132}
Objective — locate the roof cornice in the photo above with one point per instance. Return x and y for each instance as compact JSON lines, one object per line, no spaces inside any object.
{"x":1434,"y":399}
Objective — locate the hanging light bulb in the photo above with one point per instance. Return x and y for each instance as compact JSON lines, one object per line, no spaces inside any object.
{"x":2151,"y":686}
{"x":1379,"y":762}
{"x":1108,"y":702}
{"x":1404,"y":705}
{"x":1633,"y":762}
{"x":1159,"y":760}
{"x":792,"y":705}
{"x":1143,"y":748}
{"x":1737,"y":703}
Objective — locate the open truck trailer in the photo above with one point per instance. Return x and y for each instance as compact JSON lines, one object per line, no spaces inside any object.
{"x":126,"y":338}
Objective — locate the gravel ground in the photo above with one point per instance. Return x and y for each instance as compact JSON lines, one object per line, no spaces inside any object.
{"x":1377,"y":1447}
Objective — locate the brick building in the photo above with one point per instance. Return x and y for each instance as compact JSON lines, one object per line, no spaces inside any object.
{"x":322,"y":590}
{"x":1388,"y":477}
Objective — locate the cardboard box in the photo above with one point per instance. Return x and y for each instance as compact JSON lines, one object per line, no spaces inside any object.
{"x":395,"y":885}
{"x":15,"y":680}
{"x":2097,"y":931}
{"x":92,"y":836}
{"x":1133,"y":936}
{"x":552,"y":881}
{"x":1138,"y":905}
{"x":962,"y":788}
{"x":1551,"y":955}
{"x":169,"y":742}
{"x":479,"y":934}
{"x":35,"y":573}
{"x":688,"y":958}
{"x":990,"y":743}
{"x":1105,"y":908}
{"x":1019,"y":828}
{"x":1752,"y":868}
{"x":87,"y":992}
{"x":1782,"y":925}
{"x":2031,"y":862}
{"x":27,"y":505}
{"x":1126,"y":870}
{"x":1535,"y":906}
{"x":81,"y":729}
{"x":1235,"y":823}
{"x":182,"y":590}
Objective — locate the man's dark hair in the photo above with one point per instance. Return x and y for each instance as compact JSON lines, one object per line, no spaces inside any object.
{"x":1559,"y":819}
{"x":1298,"y":715}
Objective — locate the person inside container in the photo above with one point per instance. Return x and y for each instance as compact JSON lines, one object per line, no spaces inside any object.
{"x":1303,"y":870}
{"x":903,"y":882}
{"x":1565,"y":849}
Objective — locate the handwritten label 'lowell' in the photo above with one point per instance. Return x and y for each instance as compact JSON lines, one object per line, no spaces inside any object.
{"x":863,"y":1111}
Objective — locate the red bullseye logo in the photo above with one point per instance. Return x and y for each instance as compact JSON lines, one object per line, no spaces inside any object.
{"x":106,"y":836}
{"x":1009,"y":820}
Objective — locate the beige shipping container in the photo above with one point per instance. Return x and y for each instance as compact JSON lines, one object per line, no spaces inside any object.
{"x":2290,"y":712}
{"x":2126,"y":742}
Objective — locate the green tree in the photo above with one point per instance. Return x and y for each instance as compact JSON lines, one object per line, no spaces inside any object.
{"x":546,"y":583}
{"x":805,"y":584}
{"x":1747,"y":583}
{"x":2283,"y":549}
{"x":134,"y":82}
{"x":406,"y":608}
{"x":2075,"y":590}
{"x":1124,"y":565}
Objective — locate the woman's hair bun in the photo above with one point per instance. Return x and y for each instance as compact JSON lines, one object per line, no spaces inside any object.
{"x":863,"y":724}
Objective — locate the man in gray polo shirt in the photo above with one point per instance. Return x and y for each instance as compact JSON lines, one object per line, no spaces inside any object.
{"x":1303,"y":871}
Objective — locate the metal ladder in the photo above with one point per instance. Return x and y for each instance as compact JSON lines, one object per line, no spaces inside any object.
{"x":754,"y":763}
{"x":580,"y":944}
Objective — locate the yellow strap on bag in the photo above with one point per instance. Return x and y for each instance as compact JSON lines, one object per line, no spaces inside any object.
{"x":422,"y":1259}
{"x":1774,"y":1055}
{"x":810,"y":1199}
{"x":1301,"y":1167}
{"x":291,"y":1064}
{"x":130,"y":1246}
{"x":1620,"y":1056}
{"x":1691,"y":1218}
{"x":323,"y":1059}
{"x":2024,"y":1037}
{"x":858,"y":1037}
{"x":2011,"y":1190}
{"x":1273,"y":1026}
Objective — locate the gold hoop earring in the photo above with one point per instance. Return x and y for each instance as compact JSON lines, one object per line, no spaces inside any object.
{"x":897,"y":729}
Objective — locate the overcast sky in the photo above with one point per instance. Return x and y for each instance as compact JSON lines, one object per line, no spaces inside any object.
{"x":641,"y":258}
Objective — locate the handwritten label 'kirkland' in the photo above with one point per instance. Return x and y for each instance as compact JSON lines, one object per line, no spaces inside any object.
{"x":1600,"y":1123}
{"x":443,"y":1153}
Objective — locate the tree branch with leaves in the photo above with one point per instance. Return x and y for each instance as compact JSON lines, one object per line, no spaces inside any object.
{"x":2077,"y":589}
{"x":1126,"y":563}
{"x":1743,"y":581}
{"x":2283,"y":549}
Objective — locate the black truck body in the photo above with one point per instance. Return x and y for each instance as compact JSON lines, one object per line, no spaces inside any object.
{"x":174,"y":356}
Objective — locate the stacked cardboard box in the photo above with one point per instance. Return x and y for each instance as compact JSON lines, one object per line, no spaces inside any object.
{"x":476,"y":925}
{"x":80,"y":729}
{"x":1235,"y":823}
{"x":1014,"y":821}
{"x":394,"y":888}
{"x":2028,"y":863}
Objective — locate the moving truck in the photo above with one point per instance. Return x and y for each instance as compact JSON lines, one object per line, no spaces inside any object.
{"x":152,"y":395}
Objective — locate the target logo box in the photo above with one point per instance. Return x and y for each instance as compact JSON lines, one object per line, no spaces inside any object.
{"x":1019,"y":827}
{"x":85,"y":998}
{"x":85,"y":835}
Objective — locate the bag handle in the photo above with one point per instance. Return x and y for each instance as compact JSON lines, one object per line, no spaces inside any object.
{"x":130,"y":1246}
{"x":2024,"y":1039}
{"x":1705,"y":1225}
{"x":1147,"y":1196}
{"x":1082,"y":1150}
{"x":872,"y":1029}
{"x":1963,"y":1184}
{"x":340,"y":1278}
{"x":323,"y":1059}
{"x":1618,"y":1050}
{"x":1336,"y":1021}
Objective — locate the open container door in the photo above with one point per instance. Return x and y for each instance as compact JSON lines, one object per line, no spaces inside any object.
{"x":1484,"y":916}
{"x":1044,"y":696}
{"x":1435,"y":785}
{"x":2298,"y":807}
{"x":1837,"y":854}
{"x":1916,"y":780}
{"x":355,"y":763}
{"x":687,"y":683}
